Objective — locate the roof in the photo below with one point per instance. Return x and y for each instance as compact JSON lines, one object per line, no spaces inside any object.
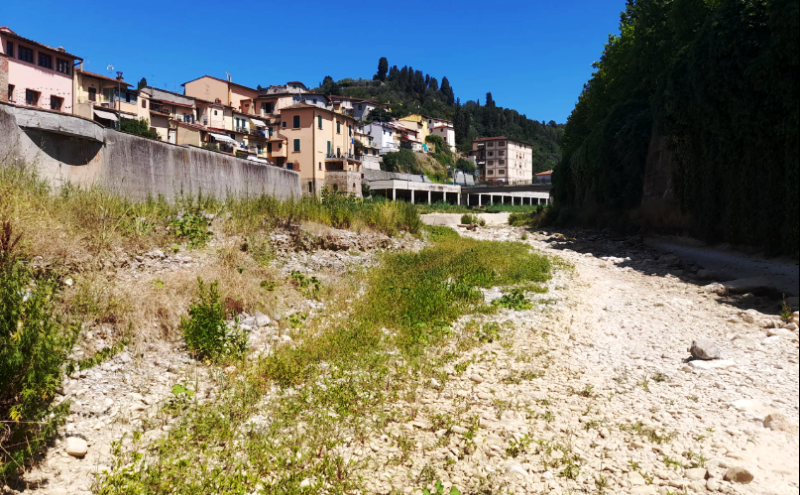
{"x":297,"y":82}
{"x":548,"y":172}
{"x":8,"y":32}
{"x":168,"y":102}
{"x":220,"y":80}
{"x":491,"y":138}
{"x":92,"y":74}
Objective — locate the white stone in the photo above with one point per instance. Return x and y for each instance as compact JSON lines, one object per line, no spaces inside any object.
{"x":76,"y":447}
{"x":695,"y":474}
{"x":711,"y":365}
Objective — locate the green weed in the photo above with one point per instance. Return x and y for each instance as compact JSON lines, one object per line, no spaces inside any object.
{"x":207,"y":334}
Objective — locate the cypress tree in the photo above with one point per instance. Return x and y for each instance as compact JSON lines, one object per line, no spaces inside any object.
{"x":383,"y":68}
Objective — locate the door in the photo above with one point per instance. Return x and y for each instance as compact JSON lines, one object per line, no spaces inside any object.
{"x":171,"y":135}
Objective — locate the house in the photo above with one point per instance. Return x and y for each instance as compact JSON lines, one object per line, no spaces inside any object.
{"x":34,"y":74}
{"x":416,"y":122}
{"x":372,"y":154}
{"x":165,"y":108}
{"x":320,"y":147}
{"x":98,"y":97}
{"x":501,"y":159}
{"x":223,"y":91}
{"x":292,"y":87}
{"x":443,"y":129}
{"x":362,"y":109}
{"x":383,"y":136}
{"x":544,"y":177}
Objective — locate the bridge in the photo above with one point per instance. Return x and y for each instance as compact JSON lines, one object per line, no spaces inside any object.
{"x":516,"y":194}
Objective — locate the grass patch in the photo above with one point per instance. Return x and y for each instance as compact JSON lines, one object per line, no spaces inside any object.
{"x":330,"y":386}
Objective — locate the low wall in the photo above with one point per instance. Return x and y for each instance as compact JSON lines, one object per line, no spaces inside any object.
{"x":76,"y":150}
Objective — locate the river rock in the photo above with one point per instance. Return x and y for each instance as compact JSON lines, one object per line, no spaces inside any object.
{"x":779,"y":422}
{"x":76,"y":447}
{"x":705,"y":349}
{"x":696,"y":474}
{"x":739,"y":474}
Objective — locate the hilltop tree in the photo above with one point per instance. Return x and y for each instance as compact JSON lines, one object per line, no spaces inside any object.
{"x":447,"y":91}
{"x":383,"y":68}
{"x":433,"y":84}
{"x":142,"y":84}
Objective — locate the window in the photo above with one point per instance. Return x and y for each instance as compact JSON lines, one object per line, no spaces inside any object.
{"x":187,"y":118}
{"x":215,"y":112}
{"x":338,"y":127}
{"x":361,"y":107}
{"x":269,"y":147}
{"x":25,"y":54}
{"x":320,"y":165}
{"x":62,"y":66}
{"x":338,"y":152}
{"x":490,"y":172}
{"x":31,"y":97}
{"x":296,"y":122}
{"x":501,"y":172}
{"x":283,"y":124}
{"x":10,"y":49}
{"x":374,"y":152}
{"x":270,"y":132}
{"x":109,"y":94}
{"x":329,"y":147}
{"x":45,"y":61}
{"x":491,"y":163}
{"x":491,"y":153}
{"x":490,"y":144}
{"x":349,"y":129}
{"x":130,"y":97}
{"x":11,"y":93}
{"x":144,"y":103}
{"x":56,"y":102}
{"x":310,"y":187}
{"x":260,"y":149}
{"x":501,"y":162}
{"x":296,"y":145}
{"x":319,"y":121}
{"x":92,"y":94}
{"x":500,"y":144}
{"x":501,"y":153}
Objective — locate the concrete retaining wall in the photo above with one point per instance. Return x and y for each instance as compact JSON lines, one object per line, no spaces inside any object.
{"x":71,"y":149}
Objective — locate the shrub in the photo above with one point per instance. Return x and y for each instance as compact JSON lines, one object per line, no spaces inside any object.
{"x":470,"y":219}
{"x":207,"y":334}
{"x":34,"y":344}
{"x":516,"y":300}
{"x":192,"y":227}
{"x":138,"y":127}
{"x":437,"y":233}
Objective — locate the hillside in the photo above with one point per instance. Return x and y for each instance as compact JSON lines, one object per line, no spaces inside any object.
{"x":410,"y":91}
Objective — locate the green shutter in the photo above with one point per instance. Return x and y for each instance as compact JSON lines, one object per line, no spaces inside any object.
{"x":297,"y":145}
{"x":296,"y":121}
{"x":319,"y":121}
{"x":329,"y":147}
{"x":338,"y":127}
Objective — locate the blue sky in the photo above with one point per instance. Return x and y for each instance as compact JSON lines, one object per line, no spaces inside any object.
{"x":533,"y":56}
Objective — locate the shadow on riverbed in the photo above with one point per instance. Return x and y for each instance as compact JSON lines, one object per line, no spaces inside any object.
{"x":770,"y":280}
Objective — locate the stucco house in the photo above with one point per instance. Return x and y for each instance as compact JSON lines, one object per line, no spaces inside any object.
{"x":34,"y":74}
{"x":383,"y":136}
{"x":443,"y":129}
{"x":98,"y":97}
{"x":416,"y":122}
{"x":227,"y":92}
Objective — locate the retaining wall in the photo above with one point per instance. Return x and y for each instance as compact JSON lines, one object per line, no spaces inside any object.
{"x":66,"y":148}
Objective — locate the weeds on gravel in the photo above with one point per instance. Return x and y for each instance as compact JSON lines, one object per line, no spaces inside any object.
{"x":650,"y":433}
{"x":469,"y":219}
{"x":786,"y":311}
{"x":437,"y":233}
{"x":208,"y":336}
{"x":439,"y":489}
{"x":34,"y":344}
{"x":516,"y":301}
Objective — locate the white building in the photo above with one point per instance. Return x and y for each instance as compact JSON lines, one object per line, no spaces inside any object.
{"x":383,"y":136}
{"x":444,"y":129}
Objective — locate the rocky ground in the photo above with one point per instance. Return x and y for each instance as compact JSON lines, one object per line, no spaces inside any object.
{"x":618,"y":409}
{"x":590,"y":391}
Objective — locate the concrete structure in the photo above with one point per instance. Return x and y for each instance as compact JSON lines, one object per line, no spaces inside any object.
{"x":34,"y":74}
{"x":523,"y":194}
{"x":411,"y":188}
{"x":67,"y":148}
{"x":217,"y":90}
{"x":361,"y":109}
{"x":318,"y":141}
{"x":505,"y":160}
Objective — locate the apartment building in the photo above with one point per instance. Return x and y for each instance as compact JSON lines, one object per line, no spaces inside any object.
{"x":222,"y":91}
{"x":104,"y":98}
{"x":319,"y":143}
{"x":500,"y":159}
{"x":383,"y":136}
{"x":34,"y":74}
{"x":417,"y":123}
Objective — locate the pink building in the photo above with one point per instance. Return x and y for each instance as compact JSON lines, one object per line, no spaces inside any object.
{"x":34,"y":74}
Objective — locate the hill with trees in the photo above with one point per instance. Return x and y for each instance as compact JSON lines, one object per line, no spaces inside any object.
{"x":409,"y":91}
{"x":718,"y":79}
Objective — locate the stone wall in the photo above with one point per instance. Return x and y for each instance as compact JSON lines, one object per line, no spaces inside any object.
{"x":344,"y":182}
{"x":3,"y":78}
{"x":66,"y":148}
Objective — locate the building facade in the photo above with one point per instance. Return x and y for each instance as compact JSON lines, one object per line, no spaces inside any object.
{"x":505,"y":160}
{"x":214,"y":89}
{"x":445,"y":130}
{"x":320,"y":143}
{"x":416,"y":122}
{"x":34,"y":74}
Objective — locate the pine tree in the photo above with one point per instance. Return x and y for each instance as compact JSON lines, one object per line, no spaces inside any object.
{"x":447,"y":91}
{"x":433,"y":84}
{"x":383,"y":68}
{"x":419,"y":82}
{"x":142,"y":84}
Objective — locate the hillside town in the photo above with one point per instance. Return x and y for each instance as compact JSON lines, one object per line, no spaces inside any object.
{"x":330,"y":140}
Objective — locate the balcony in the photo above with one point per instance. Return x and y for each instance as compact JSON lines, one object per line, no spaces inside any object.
{"x":330,"y":157}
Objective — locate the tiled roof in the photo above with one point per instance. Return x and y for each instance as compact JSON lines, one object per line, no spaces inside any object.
{"x":221,"y":80}
{"x":9,"y":32}
{"x":99,"y":76}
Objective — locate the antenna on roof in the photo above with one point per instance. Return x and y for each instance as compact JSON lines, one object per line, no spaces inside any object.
{"x":227,"y":76}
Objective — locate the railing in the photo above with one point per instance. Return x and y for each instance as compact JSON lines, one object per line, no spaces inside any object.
{"x":344,"y":156}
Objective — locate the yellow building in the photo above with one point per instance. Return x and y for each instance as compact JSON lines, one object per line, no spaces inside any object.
{"x":319,"y":142}
{"x":416,"y":122}
{"x":217,"y":90}
{"x":97,"y":96}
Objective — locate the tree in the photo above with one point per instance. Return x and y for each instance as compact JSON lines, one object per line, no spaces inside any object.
{"x":433,"y":84}
{"x":378,"y":114}
{"x":142,"y":83}
{"x":466,"y":166}
{"x":402,"y":161}
{"x":383,"y":68}
{"x":490,"y":101}
{"x":138,"y":127}
{"x":447,"y":91}
{"x":330,"y":87}
{"x":419,"y":82}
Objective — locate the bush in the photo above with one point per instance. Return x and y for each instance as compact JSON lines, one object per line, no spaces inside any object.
{"x":466,"y":166}
{"x":402,"y":161}
{"x":138,"y":127}
{"x":34,"y":344}
{"x":438,"y":233}
{"x":470,"y":219}
{"x":208,"y":336}
{"x":192,"y":227}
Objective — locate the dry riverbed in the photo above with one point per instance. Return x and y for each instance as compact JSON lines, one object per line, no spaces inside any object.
{"x":587,"y":392}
